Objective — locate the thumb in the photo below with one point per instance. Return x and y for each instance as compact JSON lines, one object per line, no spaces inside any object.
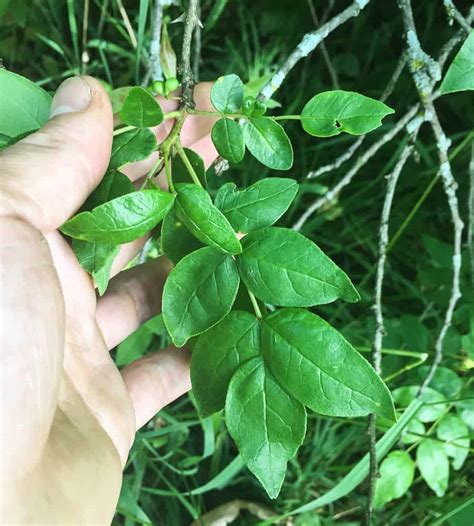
{"x":46,"y":176}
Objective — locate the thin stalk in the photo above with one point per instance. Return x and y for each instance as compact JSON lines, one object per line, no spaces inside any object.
{"x":187,"y":163}
{"x":256,"y":308}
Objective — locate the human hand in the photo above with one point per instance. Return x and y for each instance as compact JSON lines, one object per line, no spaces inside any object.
{"x":69,"y":416}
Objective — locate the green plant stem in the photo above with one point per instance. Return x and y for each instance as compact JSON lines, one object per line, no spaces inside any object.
{"x":166,"y":159}
{"x":124,"y":129}
{"x":255,"y":306}
{"x":152,"y":172}
{"x":218,"y":114}
{"x":187,"y":163}
{"x":173,"y":114}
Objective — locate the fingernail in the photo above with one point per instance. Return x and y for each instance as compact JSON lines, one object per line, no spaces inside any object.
{"x":73,"y":95}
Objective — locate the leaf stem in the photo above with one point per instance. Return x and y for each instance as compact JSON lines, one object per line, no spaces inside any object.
{"x":168,"y":172}
{"x":173,"y":114}
{"x":119,"y":131}
{"x":187,"y":163}
{"x":203,"y":113}
{"x":255,"y":306}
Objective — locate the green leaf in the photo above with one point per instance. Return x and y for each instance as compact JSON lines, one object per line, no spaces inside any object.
{"x":444,"y":380}
{"x":121,"y":220}
{"x":332,"y":112}
{"x":460,"y":74}
{"x":257,"y":206}
{"x":140,"y":109}
{"x":180,"y":172}
{"x":403,"y":396}
{"x":129,"y":147}
{"x":282,"y":267}
{"x":227,"y":94}
{"x":396,"y":477}
{"x":228,"y":139}
{"x":24,"y":106}
{"x":359,"y":472}
{"x":324,"y":352}
{"x":414,"y":431}
{"x":194,"y":207}
{"x":96,"y":259}
{"x":320,"y":368}
{"x":137,"y":344}
{"x":117,"y":97}
{"x":455,"y":433}
{"x":176,"y":240}
{"x":198,"y":293}
{"x":114,"y":184}
{"x":218,"y":353}
{"x":433,"y":464}
{"x":267,"y":141}
{"x":267,"y":424}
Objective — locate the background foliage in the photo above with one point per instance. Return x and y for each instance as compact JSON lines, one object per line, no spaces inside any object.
{"x":177,"y":453}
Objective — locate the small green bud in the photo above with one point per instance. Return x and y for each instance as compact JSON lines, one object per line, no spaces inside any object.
{"x":248,"y":105}
{"x":259,"y":109}
{"x":170,"y":85}
{"x":158,"y":87}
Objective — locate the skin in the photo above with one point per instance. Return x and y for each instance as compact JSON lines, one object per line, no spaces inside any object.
{"x":69,"y":416}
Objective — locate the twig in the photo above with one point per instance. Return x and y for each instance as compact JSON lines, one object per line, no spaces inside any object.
{"x":454,"y":14}
{"x":449,"y":46}
{"x":339,"y":161}
{"x":324,"y":51}
{"x":424,"y":78}
{"x":186,"y":71}
{"x":362,"y":160}
{"x":309,"y":43}
{"x":392,"y":181}
{"x":470,"y":208}
{"x":197,"y":45}
{"x":155,"y":71}
{"x":394,"y":78}
{"x":354,"y":147}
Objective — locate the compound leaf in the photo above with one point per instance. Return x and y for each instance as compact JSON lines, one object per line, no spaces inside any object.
{"x":333,"y":112}
{"x":320,"y":368}
{"x":257,"y":206}
{"x":282,"y":267}
{"x":140,"y":109}
{"x":218,"y":353}
{"x":267,"y":424}
{"x":198,"y":293}
{"x":194,"y":207}
{"x":228,"y":139}
{"x":121,"y":220}
{"x":267,"y":141}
